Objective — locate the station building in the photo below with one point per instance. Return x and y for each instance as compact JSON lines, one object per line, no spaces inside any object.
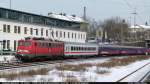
{"x":16,"y":25}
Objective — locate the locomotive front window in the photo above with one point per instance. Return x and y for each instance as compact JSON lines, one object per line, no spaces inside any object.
{"x":27,"y":43}
{"x":24,"y":43}
{"x":20,"y":43}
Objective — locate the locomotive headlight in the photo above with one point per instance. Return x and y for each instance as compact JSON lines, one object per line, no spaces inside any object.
{"x":19,"y":51}
{"x":26,"y":51}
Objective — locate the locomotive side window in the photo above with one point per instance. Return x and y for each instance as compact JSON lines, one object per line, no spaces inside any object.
{"x":71,"y":48}
{"x":35,"y":44}
{"x":39,"y":44}
{"x":42,"y":44}
{"x":49,"y":44}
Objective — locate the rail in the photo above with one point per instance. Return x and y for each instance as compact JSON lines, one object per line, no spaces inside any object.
{"x":141,"y":79}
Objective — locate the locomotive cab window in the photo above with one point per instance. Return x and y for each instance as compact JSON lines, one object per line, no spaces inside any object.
{"x":27,"y":43}
{"x":20,"y":43}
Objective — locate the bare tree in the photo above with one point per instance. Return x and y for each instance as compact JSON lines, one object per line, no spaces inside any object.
{"x":117,"y":29}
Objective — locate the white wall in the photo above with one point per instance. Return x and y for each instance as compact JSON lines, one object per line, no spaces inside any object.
{"x":15,"y":36}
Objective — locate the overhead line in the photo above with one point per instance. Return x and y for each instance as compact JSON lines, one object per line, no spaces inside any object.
{"x":128,"y":4}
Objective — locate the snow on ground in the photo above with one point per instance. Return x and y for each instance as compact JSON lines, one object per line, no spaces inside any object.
{"x":90,"y":74}
{"x":6,"y":58}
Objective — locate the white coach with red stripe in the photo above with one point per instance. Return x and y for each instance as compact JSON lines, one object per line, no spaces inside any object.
{"x":80,"y":49}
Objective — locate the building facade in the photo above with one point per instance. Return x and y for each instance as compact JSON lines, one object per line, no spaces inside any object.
{"x":16,"y":25}
{"x":140,"y":32}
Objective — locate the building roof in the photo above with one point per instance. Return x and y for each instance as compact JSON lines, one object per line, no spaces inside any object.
{"x":140,"y":26}
{"x":66,"y":17}
{"x":53,"y":16}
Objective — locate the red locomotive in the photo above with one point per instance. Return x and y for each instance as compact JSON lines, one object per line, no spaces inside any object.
{"x":39,"y":48}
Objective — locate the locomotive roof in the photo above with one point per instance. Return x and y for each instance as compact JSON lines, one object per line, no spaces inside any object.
{"x":119,"y":46}
{"x":81,"y":43}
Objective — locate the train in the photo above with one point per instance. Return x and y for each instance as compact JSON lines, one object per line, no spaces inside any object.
{"x":33,"y":49}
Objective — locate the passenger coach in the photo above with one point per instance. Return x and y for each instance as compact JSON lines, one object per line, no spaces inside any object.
{"x":80,"y":49}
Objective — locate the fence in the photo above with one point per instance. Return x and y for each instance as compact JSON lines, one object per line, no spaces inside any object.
{"x":7,"y":52}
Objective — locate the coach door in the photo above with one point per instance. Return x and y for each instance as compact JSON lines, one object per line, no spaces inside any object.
{"x":50,"y":49}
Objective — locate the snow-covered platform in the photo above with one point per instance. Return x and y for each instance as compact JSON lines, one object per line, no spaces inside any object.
{"x":7,"y":58}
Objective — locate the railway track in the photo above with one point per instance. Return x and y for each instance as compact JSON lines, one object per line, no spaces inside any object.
{"x":5,"y":66}
{"x":132,"y":73}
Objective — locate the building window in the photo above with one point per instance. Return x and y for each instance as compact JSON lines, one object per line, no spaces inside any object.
{"x":15,"y":29}
{"x":46,"y":32}
{"x":25,"y":30}
{"x":42,"y":32}
{"x":64,"y":35}
{"x":31,"y":31}
{"x":8,"y":28}
{"x":15,"y":45}
{"x":56,"y":33}
{"x":4,"y":28}
{"x":19,"y":30}
{"x":60,"y":33}
{"x":81,"y":36}
{"x":75,"y":35}
{"x":4,"y":44}
{"x":68,"y":35}
{"x":72,"y":35}
{"x":78,"y":36}
{"x":36,"y":31}
{"x":8,"y":44}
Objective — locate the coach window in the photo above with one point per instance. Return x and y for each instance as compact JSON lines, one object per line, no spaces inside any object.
{"x":66,"y":48}
{"x":71,"y":48}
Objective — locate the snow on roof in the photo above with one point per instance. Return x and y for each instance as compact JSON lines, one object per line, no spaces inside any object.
{"x":141,"y":26}
{"x":66,"y":17}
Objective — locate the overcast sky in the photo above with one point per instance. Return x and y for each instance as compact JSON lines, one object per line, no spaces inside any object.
{"x":96,"y":9}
